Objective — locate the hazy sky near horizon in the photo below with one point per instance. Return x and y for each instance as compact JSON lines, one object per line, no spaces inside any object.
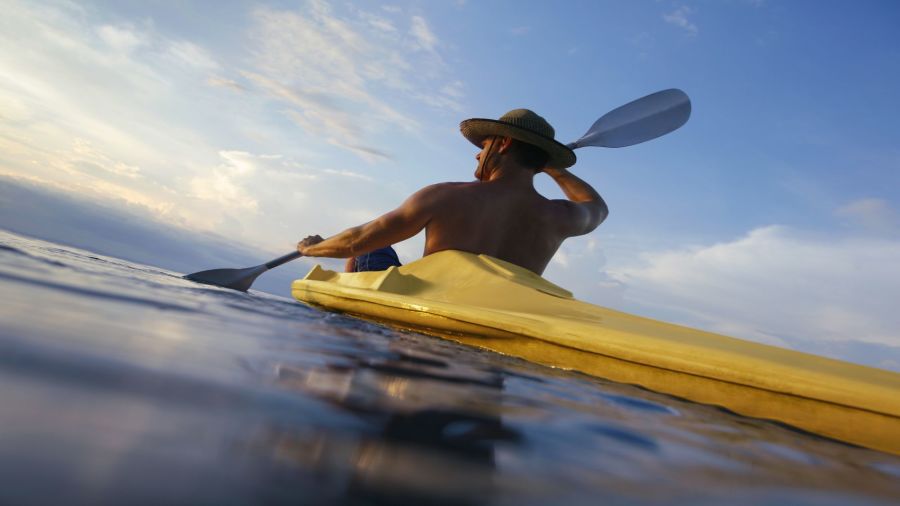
{"x":773,"y":215}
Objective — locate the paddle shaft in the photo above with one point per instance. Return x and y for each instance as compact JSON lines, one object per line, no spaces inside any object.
{"x":283,"y":260}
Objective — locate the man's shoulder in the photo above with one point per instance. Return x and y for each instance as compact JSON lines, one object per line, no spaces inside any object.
{"x":445,"y":188}
{"x":454,"y":184}
{"x":436,"y":195}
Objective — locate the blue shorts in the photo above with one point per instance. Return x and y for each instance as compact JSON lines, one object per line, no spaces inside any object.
{"x":378,"y":260}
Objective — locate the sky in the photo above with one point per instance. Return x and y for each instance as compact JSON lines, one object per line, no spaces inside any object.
{"x":186,"y":134}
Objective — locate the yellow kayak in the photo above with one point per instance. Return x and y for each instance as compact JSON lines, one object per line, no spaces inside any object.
{"x":486,"y":302}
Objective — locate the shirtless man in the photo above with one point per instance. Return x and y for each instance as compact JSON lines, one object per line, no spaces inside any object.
{"x":501,"y":214}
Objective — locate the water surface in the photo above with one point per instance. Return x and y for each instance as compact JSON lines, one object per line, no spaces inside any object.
{"x":124,"y":384}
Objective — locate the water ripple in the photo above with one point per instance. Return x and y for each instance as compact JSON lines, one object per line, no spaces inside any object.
{"x":82,"y":291}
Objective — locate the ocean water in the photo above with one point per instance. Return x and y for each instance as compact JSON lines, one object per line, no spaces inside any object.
{"x":125,"y":384}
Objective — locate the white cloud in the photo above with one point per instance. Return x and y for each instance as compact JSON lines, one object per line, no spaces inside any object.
{"x":312,"y":111}
{"x":777,"y":285}
{"x":367,"y":153}
{"x":349,"y":174}
{"x":220,"y":188}
{"x":579,"y":265}
{"x":121,"y":39}
{"x":872,"y":215}
{"x":222,"y":82}
{"x":679,"y":18}
{"x":425,"y":38}
{"x":379,"y":22}
{"x":449,"y":97}
{"x":341,"y":74}
{"x":454,"y":89}
{"x":192,"y":55}
{"x":85,"y":158}
{"x":561,"y":258}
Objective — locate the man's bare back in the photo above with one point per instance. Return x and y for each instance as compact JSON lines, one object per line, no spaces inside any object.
{"x":501,"y":214}
{"x":500,"y":218}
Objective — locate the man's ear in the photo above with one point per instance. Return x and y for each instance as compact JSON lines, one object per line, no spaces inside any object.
{"x":505,"y":143}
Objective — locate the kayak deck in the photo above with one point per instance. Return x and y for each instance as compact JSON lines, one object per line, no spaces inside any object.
{"x":486,"y":302}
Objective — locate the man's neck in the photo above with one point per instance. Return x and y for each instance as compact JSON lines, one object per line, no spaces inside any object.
{"x":513,"y":174}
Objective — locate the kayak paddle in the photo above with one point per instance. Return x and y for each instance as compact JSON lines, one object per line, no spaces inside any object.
{"x":638,"y":121}
{"x":239,"y":279}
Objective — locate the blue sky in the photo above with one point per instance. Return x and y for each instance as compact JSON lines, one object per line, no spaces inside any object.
{"x":773,"y":215}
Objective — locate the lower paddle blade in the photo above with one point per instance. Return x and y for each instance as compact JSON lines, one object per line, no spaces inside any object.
{"x":236,"y":279}
{"x":239,"y":279}
{"x":639,"y":121}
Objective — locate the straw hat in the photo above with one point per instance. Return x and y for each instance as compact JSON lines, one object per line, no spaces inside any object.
{"x":523,"y":125}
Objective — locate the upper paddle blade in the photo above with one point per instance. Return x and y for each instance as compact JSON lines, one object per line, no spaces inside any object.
{"x":236,"y":279}
{"x":638,"y":121}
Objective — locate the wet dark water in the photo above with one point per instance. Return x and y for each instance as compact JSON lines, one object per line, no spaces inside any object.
{"x":124,"y":384}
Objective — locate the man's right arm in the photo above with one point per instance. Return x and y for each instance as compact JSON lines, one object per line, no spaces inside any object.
{"x":398,"y":225}
{"x":586,"y":208}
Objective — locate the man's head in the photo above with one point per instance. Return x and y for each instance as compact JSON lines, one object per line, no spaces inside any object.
{"x":529,"y":139}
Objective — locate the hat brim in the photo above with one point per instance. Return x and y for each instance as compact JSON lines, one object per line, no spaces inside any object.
{"x":476,"y":129}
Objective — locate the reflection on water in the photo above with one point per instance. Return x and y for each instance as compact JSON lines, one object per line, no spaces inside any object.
{"x":124,"y":384}
{"x":413,"y":444}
